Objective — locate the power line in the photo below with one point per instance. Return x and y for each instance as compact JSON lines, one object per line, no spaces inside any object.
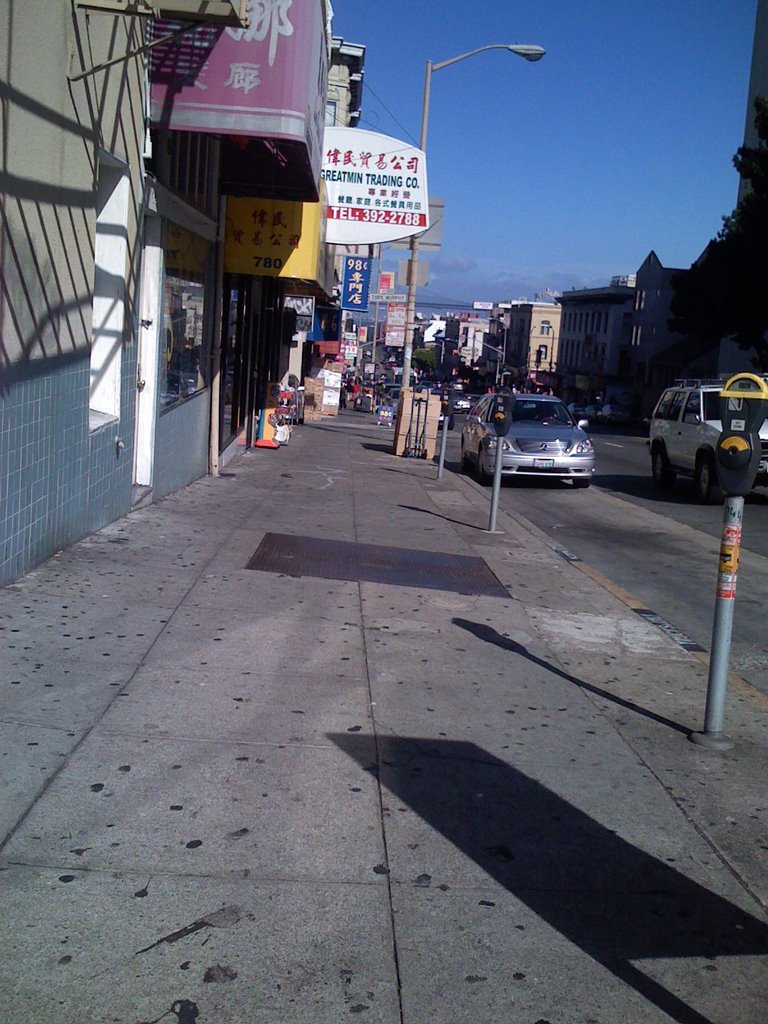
{"x":386,"y":108}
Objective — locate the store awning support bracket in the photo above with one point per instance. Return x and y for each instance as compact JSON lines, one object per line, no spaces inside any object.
{"x":142,"y":9}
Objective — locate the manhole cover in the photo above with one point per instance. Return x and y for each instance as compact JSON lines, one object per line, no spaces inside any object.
{"x":374,"y":563}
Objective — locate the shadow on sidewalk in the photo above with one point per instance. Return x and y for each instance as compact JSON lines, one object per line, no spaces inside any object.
{"x":491,"y":636}
{"x":386,"y":448}
{"x":439,"y":515}
{"x":614,"y":901}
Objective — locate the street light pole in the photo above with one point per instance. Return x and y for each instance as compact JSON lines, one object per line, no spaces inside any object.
{"x":527,"y":52}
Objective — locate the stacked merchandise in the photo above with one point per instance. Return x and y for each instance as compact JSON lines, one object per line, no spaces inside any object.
{"x":322,"y":392}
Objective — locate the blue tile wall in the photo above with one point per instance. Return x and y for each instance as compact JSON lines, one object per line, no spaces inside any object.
{"x":181,"y":445}
{"x":58,"y":480}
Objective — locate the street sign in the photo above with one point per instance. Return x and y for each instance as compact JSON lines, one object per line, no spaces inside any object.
{"x":386,"y":297}
{"x":355,"y":282}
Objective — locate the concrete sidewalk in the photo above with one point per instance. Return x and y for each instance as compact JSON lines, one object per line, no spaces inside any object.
{"x":239,"y":796}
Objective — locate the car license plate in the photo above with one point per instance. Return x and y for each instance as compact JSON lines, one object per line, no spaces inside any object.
{"x":543,"y":463}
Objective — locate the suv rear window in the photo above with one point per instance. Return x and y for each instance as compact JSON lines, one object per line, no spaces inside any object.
{"x":677,"y":404}
{"x":662,"y":406}
{"x":669,"y":405}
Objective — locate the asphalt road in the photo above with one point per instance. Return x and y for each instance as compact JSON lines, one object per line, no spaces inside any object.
{"x":661,"y":547}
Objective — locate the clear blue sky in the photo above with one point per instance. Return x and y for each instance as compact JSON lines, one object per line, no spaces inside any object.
{"x":565,"y":172}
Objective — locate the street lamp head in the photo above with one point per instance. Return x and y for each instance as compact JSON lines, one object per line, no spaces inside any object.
{"x":527,"y":51}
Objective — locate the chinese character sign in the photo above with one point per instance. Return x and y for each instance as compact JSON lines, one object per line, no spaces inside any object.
{"x":375,"y":187}
{"x":355,"y":283}
{"x":266,"y":80}
{"x":261,"y":235}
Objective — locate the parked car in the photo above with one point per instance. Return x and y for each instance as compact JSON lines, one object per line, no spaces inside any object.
{"x":461,"y":402}
{"x":684,"y":429}
{"x":613,"y":414}
{"x":578,"y":410}
{"x":590,"y":413}
{"x":437,"y":391}
{"x":544,"y":440}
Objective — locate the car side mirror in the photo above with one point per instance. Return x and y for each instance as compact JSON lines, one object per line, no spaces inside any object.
{"x":584,"y":424}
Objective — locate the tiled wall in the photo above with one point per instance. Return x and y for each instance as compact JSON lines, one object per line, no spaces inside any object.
{"x":58,"y":480}
{"x":181,"y":445}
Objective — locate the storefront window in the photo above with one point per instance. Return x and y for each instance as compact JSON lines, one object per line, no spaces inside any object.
{"x":183,"y":370}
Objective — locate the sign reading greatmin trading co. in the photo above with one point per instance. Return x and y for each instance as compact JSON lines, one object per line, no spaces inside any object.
{"x":375,"y":187}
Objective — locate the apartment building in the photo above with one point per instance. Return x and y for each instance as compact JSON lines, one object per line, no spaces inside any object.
{"x":527,"y":337}
{"x":595,"y":340}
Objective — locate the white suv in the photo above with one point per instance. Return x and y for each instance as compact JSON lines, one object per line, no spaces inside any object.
{"x":685,"y":427}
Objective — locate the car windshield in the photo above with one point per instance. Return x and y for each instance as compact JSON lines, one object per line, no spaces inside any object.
{"x":530,"y":411}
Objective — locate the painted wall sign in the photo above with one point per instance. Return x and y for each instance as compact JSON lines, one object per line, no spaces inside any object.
{"x":276,"y":238}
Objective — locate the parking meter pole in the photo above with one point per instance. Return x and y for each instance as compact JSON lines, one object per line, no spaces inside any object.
{"x":502,"y":415}
{"x":717,"y":683}
{"x":443,"y":443}
{"x":496,"y":488}
{"x":743,"y":408}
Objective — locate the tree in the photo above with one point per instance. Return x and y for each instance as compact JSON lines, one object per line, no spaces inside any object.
{"x":423,"y":359}
{"x":725,"y":292}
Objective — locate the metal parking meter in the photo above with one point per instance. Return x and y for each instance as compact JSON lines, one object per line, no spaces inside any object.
{"x":501,"y":419}
{"x":502,"y":412}
{"x":743,"y":407}
{"x":447,"y":407}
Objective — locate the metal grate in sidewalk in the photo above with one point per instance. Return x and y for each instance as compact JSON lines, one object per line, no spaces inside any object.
{"x":375,"y":563}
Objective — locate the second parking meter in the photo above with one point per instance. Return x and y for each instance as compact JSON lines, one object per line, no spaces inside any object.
{"x":501,"y":419}
{"x":743,"y":407}
{"x":502,"y":412}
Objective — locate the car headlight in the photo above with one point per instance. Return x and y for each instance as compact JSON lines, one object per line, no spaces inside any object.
{"x":583,"y":447}
{"x":489,"y":442}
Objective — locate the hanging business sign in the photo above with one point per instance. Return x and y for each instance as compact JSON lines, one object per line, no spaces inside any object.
{"x":355,"y":282}
{"x":305,"y":310}
{"x":397,"y":316}
{"x":375,"y":187}
{"x":264,"y":81}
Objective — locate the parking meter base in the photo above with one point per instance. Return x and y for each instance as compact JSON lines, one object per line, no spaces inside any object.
{"x":712,"y":740}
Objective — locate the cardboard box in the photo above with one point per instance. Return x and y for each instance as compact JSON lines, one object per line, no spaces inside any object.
{"x":422,"y":410}
{"x":331,"y":378}
{"x":313,"y":399}
{"x":320,"y":399}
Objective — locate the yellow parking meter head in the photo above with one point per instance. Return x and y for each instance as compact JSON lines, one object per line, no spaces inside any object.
{"x":742,"y":385}
{"x":743,"y":407}
{"x":744,"y":402}
{"x":501,"y":418}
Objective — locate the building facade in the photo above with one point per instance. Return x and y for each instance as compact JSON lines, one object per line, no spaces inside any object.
{"x":70,"y":254}
{"x":162,"y":228}
{"x":523,"y":339}
{"x":595,"y":341}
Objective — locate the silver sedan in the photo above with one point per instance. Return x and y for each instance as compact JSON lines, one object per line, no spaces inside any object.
{"x":544,"y":440}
